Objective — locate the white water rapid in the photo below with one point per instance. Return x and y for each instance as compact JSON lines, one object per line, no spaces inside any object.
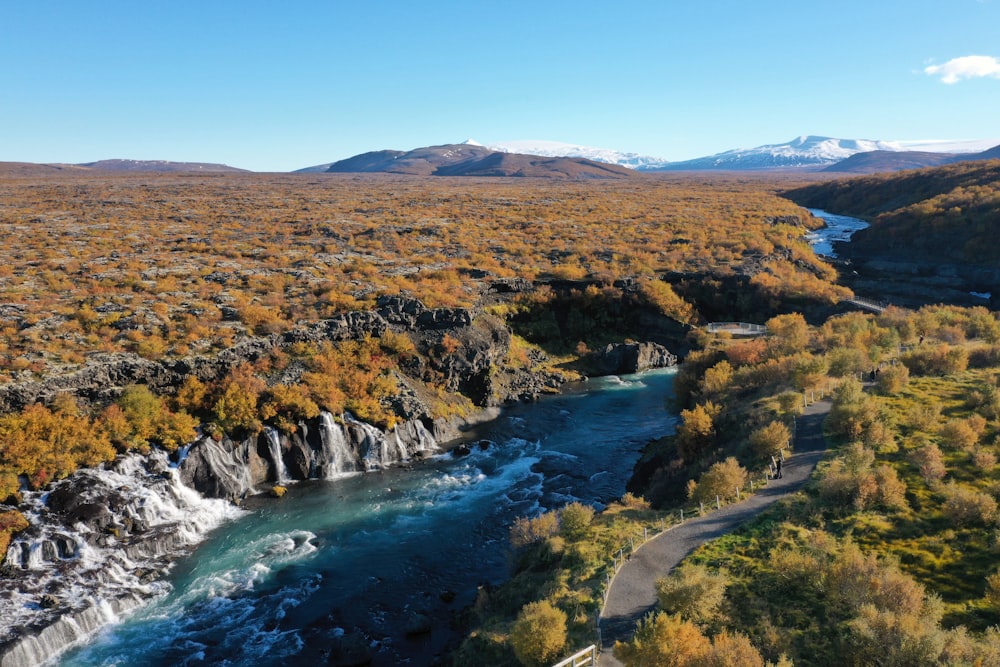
{"x":134,"y":517}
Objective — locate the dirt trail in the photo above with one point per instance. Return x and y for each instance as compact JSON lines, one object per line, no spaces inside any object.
{"x":633,"y":591}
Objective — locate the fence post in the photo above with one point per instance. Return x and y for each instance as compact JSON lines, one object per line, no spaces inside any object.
{"x":682,"y":515}
{"x":645,"y":534}
{"x":737,"y":493}
{"x":751,"y":486}
{"x":701,"y":507}
{"x":718,"y":503}
{"x":631,"y":545}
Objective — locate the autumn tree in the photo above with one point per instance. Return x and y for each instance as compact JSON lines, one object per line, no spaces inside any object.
{"x":893,"y":379}
{"x":788,"y":333}
{"x":530,"y":530}
{"x":236,"y":408}
{"x":722,"y":480}
{"x":696,"y":432}
{"x":288,"y":405}
{"x":575,"y":518}
{"x":539,"y":634}
{"x":692,"y":591}
{"x":770,"y":439}
{"x":930,"y":462}
{"x":139,"y":418}
{"x":665,"y":641}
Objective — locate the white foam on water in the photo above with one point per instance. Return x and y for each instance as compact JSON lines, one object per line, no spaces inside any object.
{"x":89,"y":574}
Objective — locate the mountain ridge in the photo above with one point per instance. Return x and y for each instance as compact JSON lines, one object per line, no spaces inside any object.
{"x":470,"y":159}
{"x":889,"y":161}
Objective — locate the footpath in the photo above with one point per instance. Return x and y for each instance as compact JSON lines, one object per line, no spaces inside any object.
{"x":633,"y":590}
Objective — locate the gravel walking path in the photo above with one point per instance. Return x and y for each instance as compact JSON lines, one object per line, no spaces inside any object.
{"x":633,"y":591}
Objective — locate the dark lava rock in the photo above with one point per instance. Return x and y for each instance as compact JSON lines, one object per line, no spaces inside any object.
{"x":633,"y":358}
{"x":350,"y":650}
{"x":418,"y":624}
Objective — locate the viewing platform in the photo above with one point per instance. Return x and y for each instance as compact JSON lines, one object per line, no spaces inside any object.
{"x":737,"y":328}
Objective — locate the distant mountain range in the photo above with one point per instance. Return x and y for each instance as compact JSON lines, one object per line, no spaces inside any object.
{"x":553,"y":159}
{"x":161,"y":166}
{"x":802,"y":153}
{"x":470,"y":159}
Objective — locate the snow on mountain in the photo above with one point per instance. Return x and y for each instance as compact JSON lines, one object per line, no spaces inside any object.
{"x":560,"y":149}
{"x":948,"y":145}
{"x":805,"y":151}
{"x":802,"y":152}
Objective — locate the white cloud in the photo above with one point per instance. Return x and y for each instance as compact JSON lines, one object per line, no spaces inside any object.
{"x":966,"y":67}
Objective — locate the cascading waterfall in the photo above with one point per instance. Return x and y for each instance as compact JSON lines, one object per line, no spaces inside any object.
{"x":374,"y":446}
{"x":97,"y":553}
{"x":274,"y":445}
{"x":229,"y":468}
{"x":128,"y":520}
{"x":340,"y":458}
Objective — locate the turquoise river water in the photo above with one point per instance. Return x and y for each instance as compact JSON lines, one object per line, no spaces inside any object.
{"x":362,"y":555}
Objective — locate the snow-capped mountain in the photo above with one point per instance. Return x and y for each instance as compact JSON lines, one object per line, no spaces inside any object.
{"x":560,"y":149}
{"x":806,"y":151}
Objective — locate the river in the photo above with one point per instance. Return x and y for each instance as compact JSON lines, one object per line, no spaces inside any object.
{"x":838,"y":228}
{"x":367,"y":553}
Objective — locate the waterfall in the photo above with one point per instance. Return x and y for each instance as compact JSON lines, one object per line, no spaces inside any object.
{"x":379,"y":449}
{"x":374,"y":447}
{"x":100,"y":539}
{"x":97,"y":542}
{"x":221,"y":469}
{"x":274,"y":446}
{"x":340,"y":458}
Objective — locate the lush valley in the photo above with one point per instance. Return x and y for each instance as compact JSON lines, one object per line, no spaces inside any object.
{"x":137,"y":307}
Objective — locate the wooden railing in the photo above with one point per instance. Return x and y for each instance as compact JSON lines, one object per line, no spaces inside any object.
{"x":582,"y":658}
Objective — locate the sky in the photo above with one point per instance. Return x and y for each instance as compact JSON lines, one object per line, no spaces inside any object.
{"x":279,"y":86}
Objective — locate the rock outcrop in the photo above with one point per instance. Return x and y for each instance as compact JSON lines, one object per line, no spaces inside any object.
{"x":622,"y":358}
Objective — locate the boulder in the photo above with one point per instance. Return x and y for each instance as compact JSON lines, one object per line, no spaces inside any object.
{"x":418,"y":624}
{"x":350,"y":650}
{"x":622,"y":358}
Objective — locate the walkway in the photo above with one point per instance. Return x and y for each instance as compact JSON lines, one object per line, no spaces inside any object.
{"x":866,"y":304}
{"x":737,"y":328}
{"x":633,"y":590}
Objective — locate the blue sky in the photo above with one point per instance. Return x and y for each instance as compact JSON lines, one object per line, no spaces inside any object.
{"x":275,"y":86}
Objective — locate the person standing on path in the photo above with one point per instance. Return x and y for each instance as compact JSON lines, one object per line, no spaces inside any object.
{"x":777,"y":465}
